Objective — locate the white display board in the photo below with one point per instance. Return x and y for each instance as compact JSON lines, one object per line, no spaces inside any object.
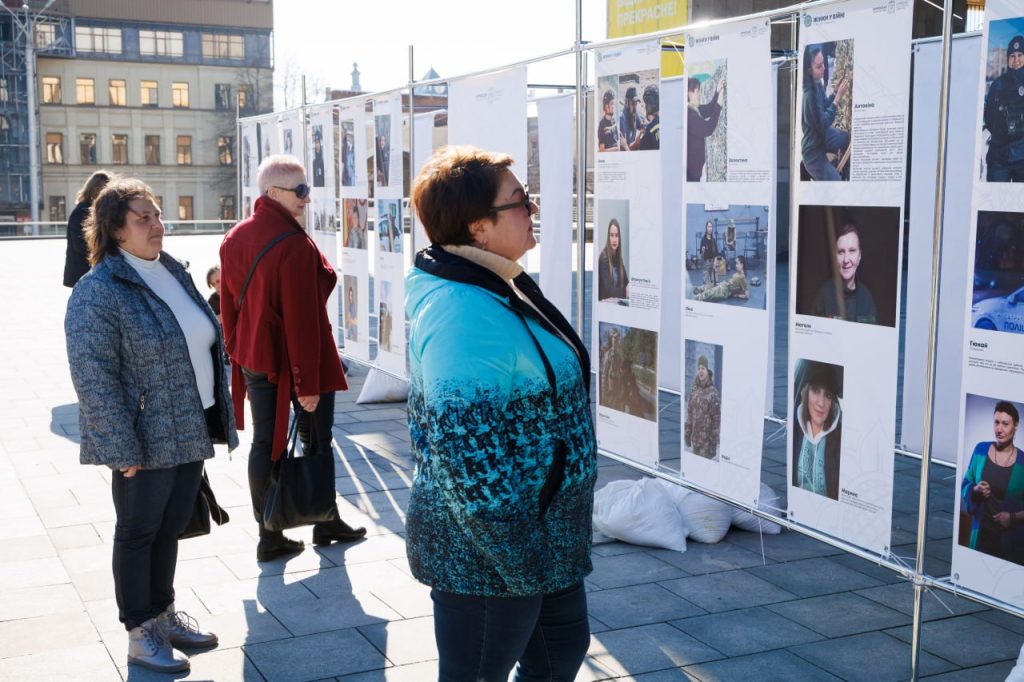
{"x":988,"y":531}
{"x":490,"y":112}
{"x":727,"y":207}
{"x":627,"y":249}
{"x":291,"y":134}
{"x":355,"y":253}
{"x":249,"y":151}
{"x":423,"y":124}
{"x":953,"y":295}
{"x":389,"y":243}
{"x":323,"y":208}
{"x":673,"y":91}
{"x":854,"y":97}
{"x":555,"y":129}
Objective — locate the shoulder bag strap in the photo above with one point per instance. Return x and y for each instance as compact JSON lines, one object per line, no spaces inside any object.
{"x":271,"y":244}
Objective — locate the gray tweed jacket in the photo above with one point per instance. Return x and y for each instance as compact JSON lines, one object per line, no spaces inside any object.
{"x":137,"y":396}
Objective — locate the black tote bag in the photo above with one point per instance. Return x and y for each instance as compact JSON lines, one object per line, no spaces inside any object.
{"x":301,"y":489}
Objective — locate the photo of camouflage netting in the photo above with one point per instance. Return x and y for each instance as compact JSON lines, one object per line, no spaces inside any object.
{"x":716,"y":167}
{"x":843,"y":68}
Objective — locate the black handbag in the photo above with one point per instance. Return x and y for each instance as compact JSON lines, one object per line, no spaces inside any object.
{"x":205,"y":508}
{"x":301,"y":489}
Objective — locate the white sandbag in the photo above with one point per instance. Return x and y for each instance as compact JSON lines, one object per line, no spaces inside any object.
{"x":640,"y":513}
{"x":1017,"y":673}
{"x":768,"y":501}
{"x":707,"y":519}
{"x":676,"y":493}
{"x":381,"y":387}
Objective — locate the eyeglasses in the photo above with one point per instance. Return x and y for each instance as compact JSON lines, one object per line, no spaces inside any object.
{"x":301,"y":190}
{"x":525,"y":202}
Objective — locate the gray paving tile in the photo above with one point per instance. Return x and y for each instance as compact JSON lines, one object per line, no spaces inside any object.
{"x":616,"y":548}
{"x":669,"y":675}
{"x":935,"y":603}
{"x":770,"y":666}
{"x":988,"y":643}
{"x":786,"y":546}
{"x":870,"y":657}
{"x":404,"y":641}
{"x":310,"y":615}
{"x":630,"y":569}
{"x":877,"y":572}
{"x":813,"y":577}
{"x":1003,"y":620}
{"x":749,"y":631}
{"x":639,"y":605}
{"x":45,"y":633}
{"x":313,"y":657}
{"x":417,"y":672}
{"x":727,"y":590}
{"x":88,"y":661}
{"x":700,"y":558}
{"x":839,"y":615}
{"x":648,"y":648}
{"x":993,"y":672}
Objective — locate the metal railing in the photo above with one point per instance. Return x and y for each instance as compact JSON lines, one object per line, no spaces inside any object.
{"x":58,"y":229}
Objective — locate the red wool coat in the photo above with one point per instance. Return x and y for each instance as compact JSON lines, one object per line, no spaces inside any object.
{"x":282,"y":328}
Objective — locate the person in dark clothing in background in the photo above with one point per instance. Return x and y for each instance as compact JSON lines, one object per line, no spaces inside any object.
{"x":76,"y":260}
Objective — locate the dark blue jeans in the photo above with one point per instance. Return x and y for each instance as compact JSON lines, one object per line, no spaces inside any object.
{"x":480,"y":639}
{"x":152,"y":507}
{"x":315,"y":431}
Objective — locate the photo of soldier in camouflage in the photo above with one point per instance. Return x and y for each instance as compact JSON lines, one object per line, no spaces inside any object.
{"x":702,"y":429}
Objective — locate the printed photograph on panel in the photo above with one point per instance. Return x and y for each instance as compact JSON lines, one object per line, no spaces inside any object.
{"x":848,"y":263}
{"x":348,"y":154}
{"x":992,"y":490}
{"x":608,"y":139}
{"x":287,"y":144}
{"x":706,"y":122}
{"x":727,"y":255}
{"x":827,"y":111}
{"x":1003,"y":122}
{"x":318,"y":156}
{"x":384,"y":321}
{"x":247,"y":164}
{"x":702,"y":364}
{"x":324,"y":219}
{"x":351,"y":285}
{"x":613,"y":259}
{"x":628,"y":375}
{"x":354,"y":225}
{"x":639,"y":104}
{"x":389,"y":225}
{"x":382,"y":154}
{"x":817,"y":427}
{"x":998,"y":299}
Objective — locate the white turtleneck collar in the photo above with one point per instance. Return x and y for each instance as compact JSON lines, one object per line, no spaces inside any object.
{"x":137,"y":262}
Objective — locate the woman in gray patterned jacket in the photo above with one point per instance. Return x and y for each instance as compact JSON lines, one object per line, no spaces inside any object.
{"x":146,"y":357}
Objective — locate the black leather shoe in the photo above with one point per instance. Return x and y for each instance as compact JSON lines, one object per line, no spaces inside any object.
{"x":336,"y":531}
{"x":277,"y":545}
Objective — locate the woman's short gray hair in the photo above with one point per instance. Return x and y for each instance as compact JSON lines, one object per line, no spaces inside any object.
{"x":276,"y":169}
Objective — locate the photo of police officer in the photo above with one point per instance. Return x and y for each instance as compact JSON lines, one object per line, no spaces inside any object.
{"x":847,"y":263}
{"x":1003,"y":121}
{"x":997,"y":303}
{"x":628,"y":371}
{"x":382,"y":147}
{"x":348,"y":154}
{"x":318,"y":156}
{"x":608,"y":139}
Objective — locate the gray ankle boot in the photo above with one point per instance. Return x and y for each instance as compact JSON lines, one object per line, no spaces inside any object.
{"x":148,"y":647}
{"x":183,"y":631}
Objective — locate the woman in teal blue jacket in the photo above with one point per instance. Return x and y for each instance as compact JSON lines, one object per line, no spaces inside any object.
{"x":499,"y":522}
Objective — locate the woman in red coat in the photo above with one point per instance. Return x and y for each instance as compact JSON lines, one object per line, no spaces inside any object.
{"x":279,"y":338}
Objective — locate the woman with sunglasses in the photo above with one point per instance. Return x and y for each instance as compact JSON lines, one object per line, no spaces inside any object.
{"x":279,"y":338}
{"x":499,"y":520}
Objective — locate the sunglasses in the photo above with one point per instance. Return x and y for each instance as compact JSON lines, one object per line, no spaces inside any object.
{"x":522,"y":203}
{"x":301,"y":190}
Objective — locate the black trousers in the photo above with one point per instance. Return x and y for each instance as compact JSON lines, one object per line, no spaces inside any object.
{"x":315,"y":431}
{"x":153,"y":507}
{"x":482,"y":638}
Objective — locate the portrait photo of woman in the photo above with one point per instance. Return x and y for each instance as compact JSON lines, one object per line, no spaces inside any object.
{"x":817,"y":427}
{"x":826,"y":143}
{"x":612,"y":278}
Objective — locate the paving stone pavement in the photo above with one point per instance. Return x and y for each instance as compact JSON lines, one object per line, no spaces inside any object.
{"x":781,"y":607}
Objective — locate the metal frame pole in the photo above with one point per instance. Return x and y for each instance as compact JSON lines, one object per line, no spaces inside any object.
{"x":933,"y":324}
{"x":581,"y":169}
{"x":412,"y":151}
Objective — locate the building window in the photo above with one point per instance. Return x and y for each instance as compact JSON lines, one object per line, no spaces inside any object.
{"x":244,"y":98}
{"x":5,"y":94}
{"x":85,"y":91}
{"x":150,"y":94}
{"x":5,"y":133}
{"x":54,"y":148}
{"x":98,"y":39}
{"x":87,"y":143}
{"x":184,"y":208}
{"x":222,"y":96}
{"x":227,"y":206}
{"x":51,"y":89}
{"x":161,"y":43}
{"x":152,"y":150}
{"x":119,"y":149}
{"x":118,"y":93}
{"x":58,"y":209}
{"x":184,"y":150}
{"x":223,"y":46}
{"x":179,"y":95}
{"x":46,"y":35}
{"x":225,"y":147}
